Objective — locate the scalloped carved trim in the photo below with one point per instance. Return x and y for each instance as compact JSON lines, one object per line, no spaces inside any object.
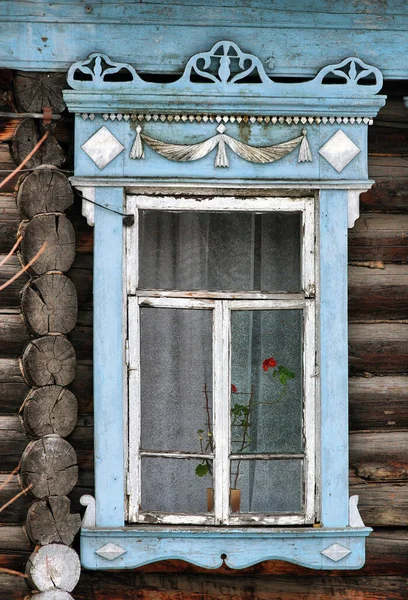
{"x":226,"y":66}
{"x":204,"y":118}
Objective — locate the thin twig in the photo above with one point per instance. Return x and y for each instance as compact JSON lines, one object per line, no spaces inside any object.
{"x":15,"y":497}
{"x":27,"y":266}
{"x":10,"y":254}
{"x":25,"y":161}
{"x":10,"y":477}
{"x":12,"y":572}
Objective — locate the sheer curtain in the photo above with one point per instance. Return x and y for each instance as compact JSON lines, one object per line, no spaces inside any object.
{"x":231,"y":252}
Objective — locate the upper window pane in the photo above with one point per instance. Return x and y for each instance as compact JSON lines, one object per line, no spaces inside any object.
{"x":228,"y":251}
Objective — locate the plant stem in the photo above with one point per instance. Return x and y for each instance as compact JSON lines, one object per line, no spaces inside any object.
{"x":244,"y":435}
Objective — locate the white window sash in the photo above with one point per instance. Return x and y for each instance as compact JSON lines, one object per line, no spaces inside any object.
{"x":222,"y":304}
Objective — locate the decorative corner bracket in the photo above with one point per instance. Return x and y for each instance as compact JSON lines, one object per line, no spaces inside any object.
{"x":88,"y":520}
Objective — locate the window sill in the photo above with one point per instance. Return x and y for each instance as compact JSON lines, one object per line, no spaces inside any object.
{"x":209,"y":547}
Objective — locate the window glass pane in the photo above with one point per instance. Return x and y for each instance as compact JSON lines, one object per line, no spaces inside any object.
{"x":176,"y":379}
{"x":219,"y":251}
{"x":172,"y":485}
{"x":266,"y":381}
{"x":268,"y":486}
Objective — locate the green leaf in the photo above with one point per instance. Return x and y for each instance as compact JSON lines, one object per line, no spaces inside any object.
{"x":202,"y":470}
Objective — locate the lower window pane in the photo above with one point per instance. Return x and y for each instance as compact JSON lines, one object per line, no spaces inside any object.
{"x":175,"y":485}
{"x":268,"y":486}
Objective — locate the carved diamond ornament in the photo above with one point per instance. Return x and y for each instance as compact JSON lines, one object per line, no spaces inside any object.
{"x":102,"y":147}
{"x":110,"y":551}
{"x":339,"y":150}
{"x":335,"y":552}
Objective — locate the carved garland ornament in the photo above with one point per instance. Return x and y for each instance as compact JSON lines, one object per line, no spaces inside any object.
{"x":189,"y":152}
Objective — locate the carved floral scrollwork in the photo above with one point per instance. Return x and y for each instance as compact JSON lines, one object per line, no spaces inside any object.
{"x":226,"y":65}
{"x":352,"y":71}
{"x":97,"y":72}
{"x":224,"y":53}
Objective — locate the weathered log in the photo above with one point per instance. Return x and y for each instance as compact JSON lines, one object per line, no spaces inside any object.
{"x":57,"y":231}
{"x":7,"y":165}
{"x":377,"y":237}
{"x":49,"y":360}
{"x":378,"y":402}
{"x":80,"y":274}
{"x":13,"y":388}
{"x":378,"y":348}
{"x":12,"y":587}
{"x":13,"y":334}
{"x":50,"y":465}
{"x":34,"y":91}
{"x":12,"y":442}
{"x":28,"y":133}
{"x":382,"y":504}
{"x":378,"y":293}
{"x":53,"y":595}
{"x":49,"y":304}
{"x":387,"y":167}
{"x":103,"y":585}
{"x":14,"y":537}
{"x":50,"y":409}
{"x":50,"y":521}
{"x":10,"y":296}
{"x":388,"y":194}
{"x":44,"y":190}
{"x":379,"y":456}
{"x":16,"y":512}
{"x":54,"y":567}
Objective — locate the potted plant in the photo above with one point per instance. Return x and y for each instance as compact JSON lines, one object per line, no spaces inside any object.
{"x":241,"y":413}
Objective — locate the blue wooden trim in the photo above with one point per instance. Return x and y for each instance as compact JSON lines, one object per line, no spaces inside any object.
{"x":225,"y":87}
{"x":334,"y":358}
{"x":243,"y":548}
{"x":154,"y":166}
{"x":108,"y":359}
{"x":298,"y":39}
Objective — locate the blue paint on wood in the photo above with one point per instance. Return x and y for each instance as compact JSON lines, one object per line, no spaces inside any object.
{"x":297,"y":38}
{"x":155,"y":166}
{"x":108,"y":360}
{"x":242,"y":548}
{"x":334,"y":357}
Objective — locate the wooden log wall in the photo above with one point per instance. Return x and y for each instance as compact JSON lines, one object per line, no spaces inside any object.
{"x":43,"y":312}
{"x":378,"y":298}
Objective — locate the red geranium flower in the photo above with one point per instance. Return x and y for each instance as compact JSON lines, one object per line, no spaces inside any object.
{"x":233,"y":389}
{"x":269,"y":363}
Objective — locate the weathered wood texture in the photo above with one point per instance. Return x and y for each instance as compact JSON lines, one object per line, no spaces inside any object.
{"x":35,"y":91}
{"x":378,"y":348}
{"x":44,"y":190}
{"x":150,"y":586}
{"x":378,"y":402}
{"x":49,"y":360}
{"x":50,"y":521}
{"x":58,"y":233}
{"x":27,"y":134}
{"x":49,"y":304}
{"x":49,"y":465}
{"x":53,"y":566}
{"x":50,"y":409}
{"x":378,"y":293}
{"x":14,"y":389}
{"x":379,"y":237}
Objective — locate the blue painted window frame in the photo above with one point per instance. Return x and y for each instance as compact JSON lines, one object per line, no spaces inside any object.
{"x":106,"y":540}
